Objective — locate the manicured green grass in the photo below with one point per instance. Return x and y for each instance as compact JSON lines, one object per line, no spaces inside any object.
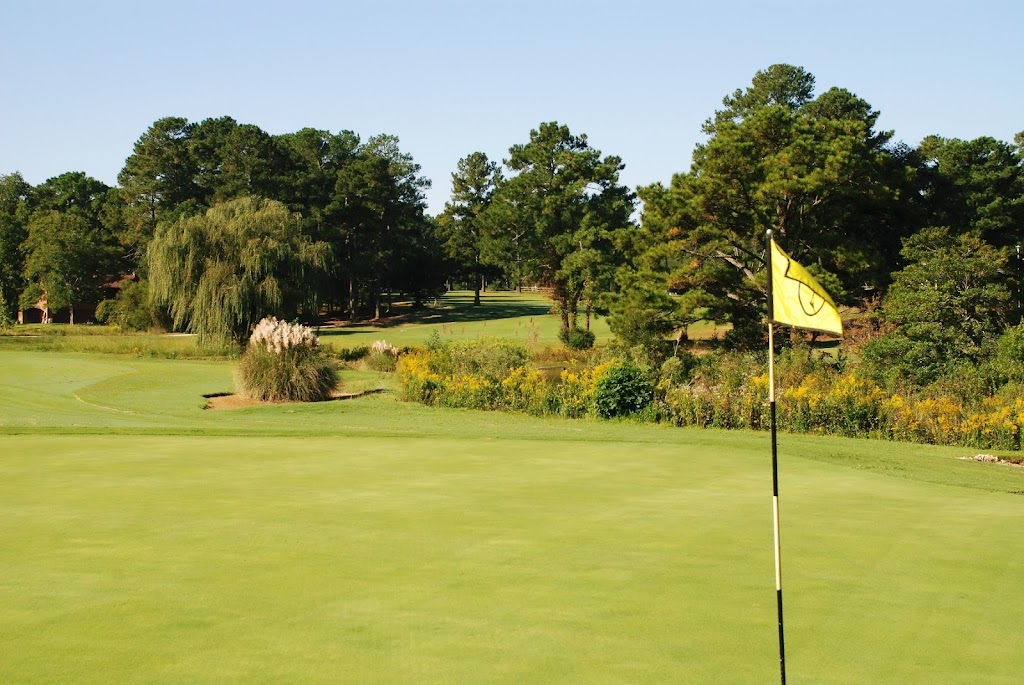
{"x":146,"y":540}
{"x":173,"y":346}
{"x":522,"y":316}
{"x":519,"y":316}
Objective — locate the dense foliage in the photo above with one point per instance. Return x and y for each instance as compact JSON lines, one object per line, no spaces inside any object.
{"x":131,"y":309}
{"x":363,"y":199}
{"x":834,"y":190}
{"x":221,"y":223}
{"x":945,"y":307}
{"x":722,"y":390}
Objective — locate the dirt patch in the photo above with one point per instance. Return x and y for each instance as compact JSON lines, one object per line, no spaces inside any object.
{"x":223,"y":400}
{"x":993,"y":459}
{"x":229,"y":402}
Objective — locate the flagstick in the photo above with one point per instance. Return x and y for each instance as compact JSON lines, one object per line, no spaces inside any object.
{"x":775,"y":459}
{"x":775,"y":500}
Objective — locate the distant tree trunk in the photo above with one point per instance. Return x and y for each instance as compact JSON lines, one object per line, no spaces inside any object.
{"x":476,"y":292}
{"x":682,"y":336}
{"x":572,"y":307}
{"x":352,"y":253}
{"x":519,"y":267}
{"x":351,"y":298}
{"x":562,"y":300}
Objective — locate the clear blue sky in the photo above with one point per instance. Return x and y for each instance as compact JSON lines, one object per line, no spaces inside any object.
{"x":83,"y":80}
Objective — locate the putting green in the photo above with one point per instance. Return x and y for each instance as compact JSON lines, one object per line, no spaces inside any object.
{"x":143,"y":539}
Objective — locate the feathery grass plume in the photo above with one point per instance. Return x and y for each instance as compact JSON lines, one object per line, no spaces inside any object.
{"x":383,"y":356}
{"x":284,"y":362}
{"x":384,"y":347}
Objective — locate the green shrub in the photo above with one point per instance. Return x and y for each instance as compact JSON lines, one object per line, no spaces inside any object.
{"x":687,"y":405}
{"x":1006,"y":363}
{"x":284,"y":362}
{"x":470,"y":374}
{"x":493,"y":374}
{"x":623,"y":389}
{"x":104,"y":310}
{"x":352,"y":354}
{"x":577,"y":338}
{"x":678,"y":369}
{"x":130,"y":310}
{"x":796,"y":362}
{"x":489,"y":358}
{"x":469,"y":392}
{"x":434,"y":341}
{"x":815,"y":393}
{"x":574,"y":395}
{"x":894,"y":359}
{"x":381,"y":361}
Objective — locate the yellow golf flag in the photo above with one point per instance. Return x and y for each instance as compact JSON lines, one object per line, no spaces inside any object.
{"x":798,"y":299}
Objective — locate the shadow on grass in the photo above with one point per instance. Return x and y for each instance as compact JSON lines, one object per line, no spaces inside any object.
{"x":452,"y":309}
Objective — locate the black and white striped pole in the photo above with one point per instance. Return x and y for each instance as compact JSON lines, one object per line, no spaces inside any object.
{"x":775,"y":459}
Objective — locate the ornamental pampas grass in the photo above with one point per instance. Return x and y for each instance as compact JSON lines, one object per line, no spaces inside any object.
{"x":384,"y":347}
{"x":279,"y":336}
{"x":383,"y":356}
{"x":284,"y":362}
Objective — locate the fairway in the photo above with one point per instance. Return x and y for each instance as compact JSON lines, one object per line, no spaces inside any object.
{"x":525,"y":317}
{"x":144,"y":539}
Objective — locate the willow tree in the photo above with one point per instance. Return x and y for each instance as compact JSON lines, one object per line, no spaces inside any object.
{"x":221,"y":272}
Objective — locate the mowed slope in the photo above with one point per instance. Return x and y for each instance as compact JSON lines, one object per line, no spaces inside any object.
{"x":143,"y":539}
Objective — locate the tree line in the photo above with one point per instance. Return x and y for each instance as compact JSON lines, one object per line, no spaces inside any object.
{"x":360,"y":202}
{"x":226,"y":223}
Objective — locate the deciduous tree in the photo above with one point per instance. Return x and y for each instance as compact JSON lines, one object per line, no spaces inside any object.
{"x":67,"y":259}
{"x":70,"y":247}
{"x":14,"y":192}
